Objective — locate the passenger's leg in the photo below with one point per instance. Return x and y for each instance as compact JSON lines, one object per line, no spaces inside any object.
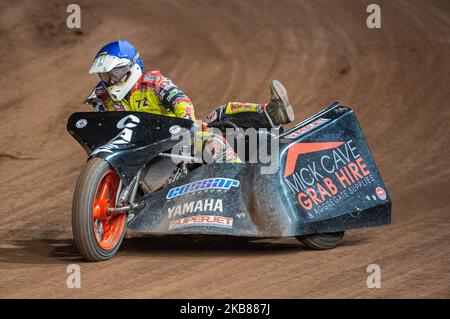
{"x":278,"y":108}
{"x":242,"y":114}
{"x":277,"y":111}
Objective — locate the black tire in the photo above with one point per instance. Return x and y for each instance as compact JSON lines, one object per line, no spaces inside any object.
{"x":86,"y":191}
{"x":322,"y":241}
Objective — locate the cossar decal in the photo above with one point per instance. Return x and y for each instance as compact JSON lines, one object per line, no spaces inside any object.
{"x":205,"y":184}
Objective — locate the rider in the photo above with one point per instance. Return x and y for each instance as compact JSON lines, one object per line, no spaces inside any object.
{"x":124,"y":86}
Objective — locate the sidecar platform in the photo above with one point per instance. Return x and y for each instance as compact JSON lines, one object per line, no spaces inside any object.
{"x":326,"y":181}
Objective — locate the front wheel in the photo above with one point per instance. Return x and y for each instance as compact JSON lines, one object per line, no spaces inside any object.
{"x":97,"y":233}
{"x":322,"y":241}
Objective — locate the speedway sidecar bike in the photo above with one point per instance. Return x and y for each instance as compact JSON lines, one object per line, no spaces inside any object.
{"x":326,"y":183}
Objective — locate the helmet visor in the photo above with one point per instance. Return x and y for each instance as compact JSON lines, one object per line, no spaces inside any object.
{"x":115,"y":76}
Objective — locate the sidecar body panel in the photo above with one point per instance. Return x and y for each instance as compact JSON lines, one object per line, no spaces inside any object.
{"x":127,"y":140}
{"x":326,"y":181}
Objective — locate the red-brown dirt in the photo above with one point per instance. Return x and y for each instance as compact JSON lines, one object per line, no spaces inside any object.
{"x":395,"y":78}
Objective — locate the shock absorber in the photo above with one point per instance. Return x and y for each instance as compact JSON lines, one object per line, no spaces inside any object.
{"x":126,"y":200}
{"x":123,"y":198}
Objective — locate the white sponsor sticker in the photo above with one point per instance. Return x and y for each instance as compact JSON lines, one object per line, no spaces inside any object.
{"x":307,"y":128}
{"x":175,"y":129}
{"x":209,"y":205}
{"x":380,"y":193}
{"x":81,"y":123}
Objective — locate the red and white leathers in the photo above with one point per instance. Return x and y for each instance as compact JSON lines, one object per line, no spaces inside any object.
{"x":153,"y":93}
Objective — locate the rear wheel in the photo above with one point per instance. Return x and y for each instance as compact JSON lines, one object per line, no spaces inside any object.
{"x":97,"y":233}
{"x":322,"y":241}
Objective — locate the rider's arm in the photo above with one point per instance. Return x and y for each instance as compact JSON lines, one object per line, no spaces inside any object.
{"x":184,"y":109}
{"x":96,"y":98}
{"x":173,"y":97}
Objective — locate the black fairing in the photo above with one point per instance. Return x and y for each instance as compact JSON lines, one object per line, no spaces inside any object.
{"x":127,"y":140}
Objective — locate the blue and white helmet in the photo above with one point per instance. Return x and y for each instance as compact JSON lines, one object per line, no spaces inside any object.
{"x":119,"y":66}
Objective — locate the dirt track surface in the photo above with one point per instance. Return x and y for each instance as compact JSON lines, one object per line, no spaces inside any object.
{"x":396,"y":79}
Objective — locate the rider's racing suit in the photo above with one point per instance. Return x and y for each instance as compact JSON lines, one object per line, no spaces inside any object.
{"x":156,"y":94}
{"x":153,"y":93}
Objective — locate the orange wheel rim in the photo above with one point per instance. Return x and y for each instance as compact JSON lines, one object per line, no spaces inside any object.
{"x":108,"y":228}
